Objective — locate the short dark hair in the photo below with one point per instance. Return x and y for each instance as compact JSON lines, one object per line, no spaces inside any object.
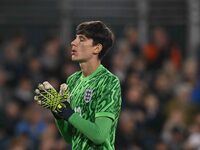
{"x":100,"y":34}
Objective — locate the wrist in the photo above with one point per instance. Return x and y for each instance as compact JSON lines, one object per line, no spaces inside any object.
{"x":66,"y":113}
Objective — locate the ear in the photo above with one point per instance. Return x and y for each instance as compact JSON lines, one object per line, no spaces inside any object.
{"x":98,"y":48}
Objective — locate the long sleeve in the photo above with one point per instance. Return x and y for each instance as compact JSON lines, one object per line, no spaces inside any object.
{"x":65,"y":129}
{"x":97,"y":132}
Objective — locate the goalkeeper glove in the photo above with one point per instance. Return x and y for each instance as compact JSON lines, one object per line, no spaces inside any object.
{"x":65,"y":112}
{"x":49,"y":98}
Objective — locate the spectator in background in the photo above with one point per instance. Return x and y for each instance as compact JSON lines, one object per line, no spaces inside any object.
{"x":124,"y":50}
{"x":191,"y":77}
{"x":13,"y":58}
{"x":163,"y":87}
{"x":190,"y":71}
{"x":134,"y":79}
{"x":161,"y":49}
{"x":11,"y":117}
{"x":133,"y":97}
{"x":194,"y":134}
{"x":122,"y":59}
{"x":171,"y":72}
{"x":32,"y":126}
{"x":23,"y":92}
{"x":138,"y":66}
{"x":34,"y":70}
{"x":131,"y":35}
{"x":127,"y":131}
{"x":51,"y":55}
{"x":21,"y":142}
{"x":160,"y":145}
{"x":173,"y":131}
{"x":118,"y":67}
{"x":154,"y":116}
{"x":49,"y":138}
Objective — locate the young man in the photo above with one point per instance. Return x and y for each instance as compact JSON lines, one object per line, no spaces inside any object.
{"x":89,"y":123}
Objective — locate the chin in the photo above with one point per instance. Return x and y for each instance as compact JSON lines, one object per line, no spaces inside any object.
{"x":75,"y":59}
{"x":80,"y":60}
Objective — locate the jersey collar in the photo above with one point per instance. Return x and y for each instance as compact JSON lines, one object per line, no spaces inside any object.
{"x":93,"y":74}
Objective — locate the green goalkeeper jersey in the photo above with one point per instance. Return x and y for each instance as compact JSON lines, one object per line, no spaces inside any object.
{"x":97,"y":95}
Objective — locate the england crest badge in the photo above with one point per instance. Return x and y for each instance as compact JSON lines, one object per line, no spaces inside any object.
{"x":88,"y":95}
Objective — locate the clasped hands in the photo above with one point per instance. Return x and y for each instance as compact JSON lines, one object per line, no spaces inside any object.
{"x":58,"y":102}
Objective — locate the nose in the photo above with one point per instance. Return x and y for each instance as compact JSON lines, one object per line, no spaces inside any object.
{"x":74,"y":42}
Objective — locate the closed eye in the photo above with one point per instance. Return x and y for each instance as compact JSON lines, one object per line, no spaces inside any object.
{"x":82,"y":39}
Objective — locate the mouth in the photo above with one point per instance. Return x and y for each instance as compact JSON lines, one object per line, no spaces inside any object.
{"x":73,"y":52}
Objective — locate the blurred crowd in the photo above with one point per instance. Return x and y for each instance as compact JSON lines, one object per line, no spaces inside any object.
{"x":160,"y":92}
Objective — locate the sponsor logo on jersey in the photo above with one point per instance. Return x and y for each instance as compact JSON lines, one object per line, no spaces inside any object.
{"x":88,"y":95}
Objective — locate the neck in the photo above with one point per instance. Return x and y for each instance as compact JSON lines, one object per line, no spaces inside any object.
{"x":88,"y":68}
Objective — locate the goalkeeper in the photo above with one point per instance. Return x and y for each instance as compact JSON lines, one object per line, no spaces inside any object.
{"x":87,"y":108}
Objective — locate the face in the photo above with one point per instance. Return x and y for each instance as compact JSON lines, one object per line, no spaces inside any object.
{"x":82,"y":49}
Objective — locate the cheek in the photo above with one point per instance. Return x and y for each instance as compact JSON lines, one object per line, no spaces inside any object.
{"x":85,"y":49}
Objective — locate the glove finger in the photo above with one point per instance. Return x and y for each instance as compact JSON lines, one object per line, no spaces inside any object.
{"x":43,"y":97}
{"x":47,"y":93}
{"x":64,"y":92}
{"x":41,"y":102}
{"x":37,"y":91}
{"x":40,"y":86}
{"x":41,"y":94}
{"x":47,"y":90}
{"x":36,"y":98}
{"x":48,"y":86}
{"x":63,"y":89}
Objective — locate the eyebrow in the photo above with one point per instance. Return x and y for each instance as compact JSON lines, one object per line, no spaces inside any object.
{"x":81,"y":36}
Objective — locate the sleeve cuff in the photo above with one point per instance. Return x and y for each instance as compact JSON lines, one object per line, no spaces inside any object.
{"x":73,"y":118}
{"x":105,"y":114}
